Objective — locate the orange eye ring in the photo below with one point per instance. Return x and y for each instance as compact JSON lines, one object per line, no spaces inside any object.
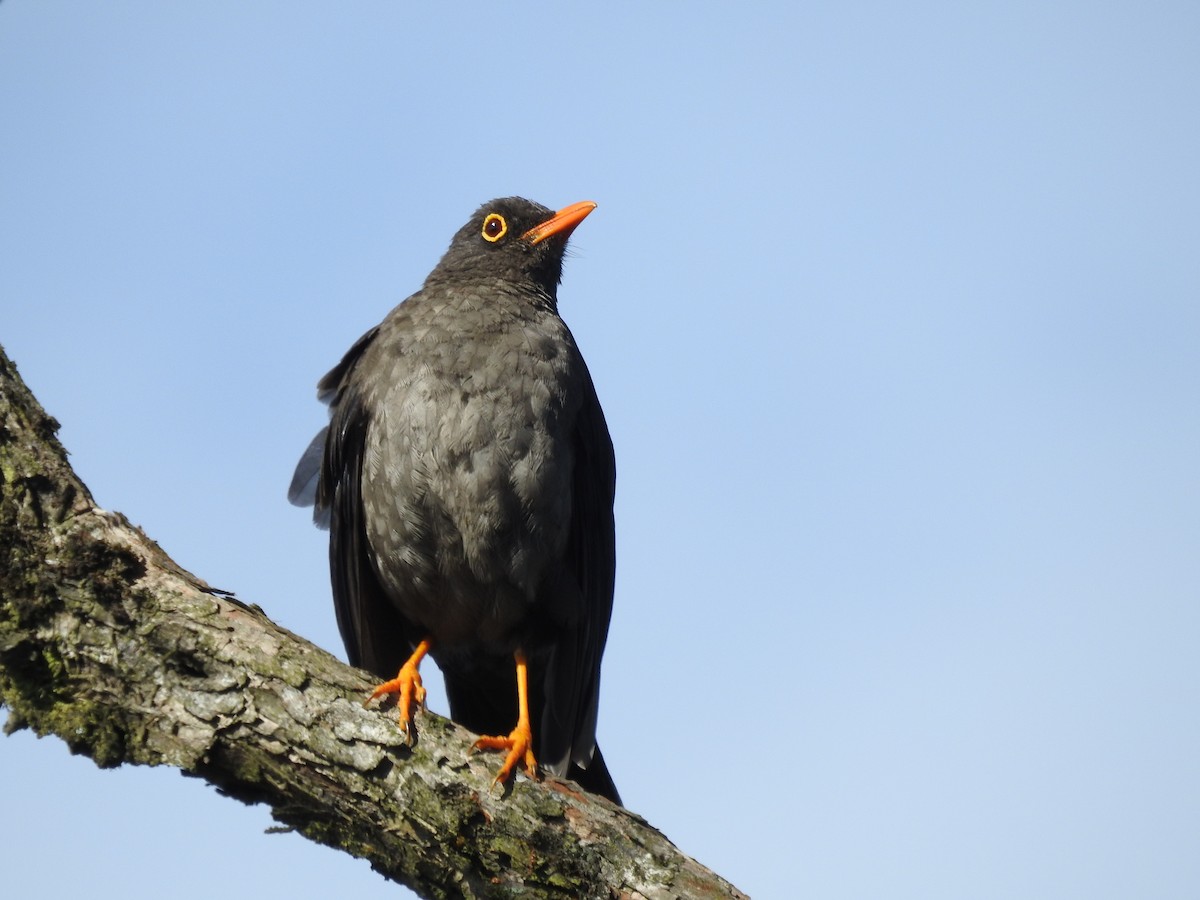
{"x":494,"y":227}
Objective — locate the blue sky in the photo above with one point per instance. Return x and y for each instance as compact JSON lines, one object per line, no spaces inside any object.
{"x":894,"y":313}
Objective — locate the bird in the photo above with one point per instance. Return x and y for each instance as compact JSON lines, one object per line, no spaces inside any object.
{"x":467,"y":479}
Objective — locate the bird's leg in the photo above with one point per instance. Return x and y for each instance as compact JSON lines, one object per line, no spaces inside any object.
{"x":519,"y":742}
{"x":407,"y":684}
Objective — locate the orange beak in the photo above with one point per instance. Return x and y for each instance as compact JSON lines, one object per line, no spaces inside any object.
{"x":562,"y":222}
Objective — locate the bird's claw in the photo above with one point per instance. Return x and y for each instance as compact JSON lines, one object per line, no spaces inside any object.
{"x":408,"y":685}
{"x":519,"y":744}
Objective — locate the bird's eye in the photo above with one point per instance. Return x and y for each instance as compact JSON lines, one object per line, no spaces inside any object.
{"x":494,"y":227}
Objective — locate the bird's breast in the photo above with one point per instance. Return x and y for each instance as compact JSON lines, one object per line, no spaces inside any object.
{"x":466,"y":479}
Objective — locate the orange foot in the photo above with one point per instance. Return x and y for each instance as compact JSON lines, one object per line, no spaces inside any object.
{"x":407,"y":684}
{"x":519,"y":745}
{"x":519,"y":742}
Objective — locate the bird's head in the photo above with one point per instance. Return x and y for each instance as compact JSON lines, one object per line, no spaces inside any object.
{"x":512,"y":239}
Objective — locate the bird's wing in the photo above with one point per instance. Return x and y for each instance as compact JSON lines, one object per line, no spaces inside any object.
{"x":375,"y":635}
{"x":573,"y":678}
{"x":303,"y":489}
{"x":330,"y":386}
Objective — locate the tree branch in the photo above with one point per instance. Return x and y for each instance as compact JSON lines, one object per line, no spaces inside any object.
{"x":107,"y":643}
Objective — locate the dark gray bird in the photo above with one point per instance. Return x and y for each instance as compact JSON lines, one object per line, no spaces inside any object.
{"x":467,"y":480}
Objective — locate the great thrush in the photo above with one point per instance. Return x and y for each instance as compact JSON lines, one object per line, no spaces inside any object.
{"x":467,"y":480}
